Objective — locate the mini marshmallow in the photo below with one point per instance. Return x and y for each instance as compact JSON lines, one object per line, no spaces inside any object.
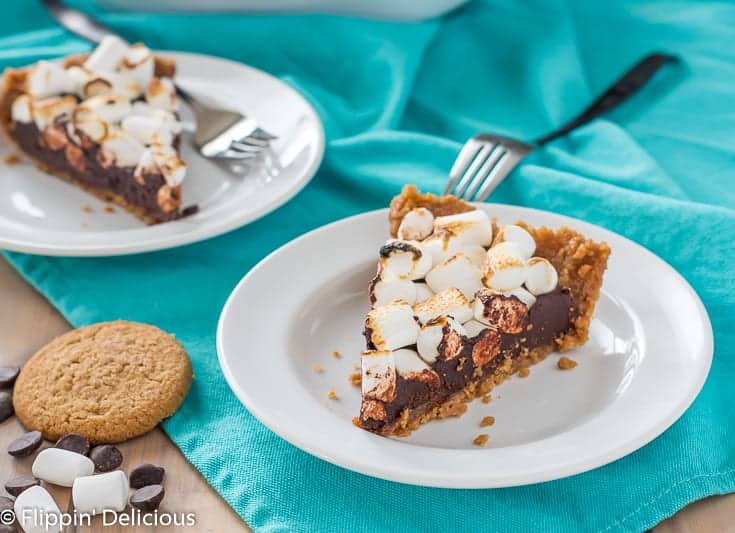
{"x":475,"y":252}
{"x":440,"y":246}
{"x":108,"y":54}
{"x":89,"y":123}
{"x":148,"y":130}
{"x":22,"y":109}
{"x":46,"y":110}
{"x":503,"y":268}
{"x":408,"y":362}
{"x":518,"y":236}
{"x":96,"y":86}
{"x":404,"y":260}
{"x":112,"y":108}
{"x":416,"y":225}
{"x":422,"y":291}
{"x":169,"y":165}
{"x":35,"y":509}
{"x":138,"y":65}
{"x":61,"y":467}
{"x":433,"y":332}
{"x":384,"y":291}
{"x":501,"y":312}
{"x":541,"y":277}
{"x":49,"y":79}
{"x":457,"y":271}
{"x":79,"y":76}
{"x":473,"y":328}
{"x":103,"y":492}
{"x":471,"y":227}
{"x":523,"y":295}
{"x":449,"y":302}
{"x":161,"y":94}
{"x":378,"y":375}
{"x":121,"y":149}
{"x":391,"y":326}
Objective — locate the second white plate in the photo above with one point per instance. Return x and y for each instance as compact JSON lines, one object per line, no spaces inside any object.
{"x":649,"y":352}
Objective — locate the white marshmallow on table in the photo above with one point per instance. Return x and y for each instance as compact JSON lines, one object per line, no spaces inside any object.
{"x":523,"y":295}
{"x":416,"y":225}
{"x":34,"y":509}
{"x":473,"y":328}
{"x":161,"y":94}
{"x":440,"y":246}
{"x":408,"y":362}
{"x":108,"y":54}
{"x":475,"y":252}
{"x":449,"y":302}
{"x":457,"y":271}
{"x":103,"y":492}
{"x":504,"y":269}
{"x":61,"y":467}
{"x":518,"y":236}
{"x":122,"y":149}
{"x":432,"y":334}
{"x":378,"y":375}
{"x":392,"y":326}
{"x":422,"y":291}
{"x":404,"y":260}
{"x":49,"y":79}
{"x":22,"y":109}
{"x":471,"y":227}
{"x":46,"y":110}
{"x":384,"y":291}
{"x":541,"y":277}
{"x":112,"y":108}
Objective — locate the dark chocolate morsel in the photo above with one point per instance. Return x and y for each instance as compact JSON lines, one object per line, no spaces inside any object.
{"x":147,"y":498}
{"x":26,"y":444}
{"x":6,"y":405}
{"x":106,"y":458}
{"x":146,"y":474}
{"x":8,"y":375}
{"x":18,"y":484}
{"x":74,"y":443}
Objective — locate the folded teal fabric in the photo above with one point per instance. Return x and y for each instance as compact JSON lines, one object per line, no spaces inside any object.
{"x":397,"y":101}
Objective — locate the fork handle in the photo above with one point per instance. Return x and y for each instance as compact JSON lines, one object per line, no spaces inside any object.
{"x":620,"y":91}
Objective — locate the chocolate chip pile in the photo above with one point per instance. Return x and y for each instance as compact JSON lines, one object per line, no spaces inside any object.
{"x":92,"y":473}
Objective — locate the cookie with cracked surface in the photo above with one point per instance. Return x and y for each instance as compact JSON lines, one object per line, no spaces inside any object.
{"x":110,"y":382}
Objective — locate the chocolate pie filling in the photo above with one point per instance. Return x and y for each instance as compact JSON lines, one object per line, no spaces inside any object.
{"x":548,"y":318}
{"x":118,"y":180}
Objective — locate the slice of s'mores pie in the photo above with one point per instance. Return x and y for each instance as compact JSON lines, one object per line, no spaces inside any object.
{"x":107,"y":122}
{"x":459,"y":304}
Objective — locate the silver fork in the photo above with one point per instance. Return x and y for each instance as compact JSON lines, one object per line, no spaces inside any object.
{"x":486,"y":159}
{"x":220,"y":134}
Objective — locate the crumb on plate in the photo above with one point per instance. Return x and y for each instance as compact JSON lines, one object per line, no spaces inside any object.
{"x":337,"y":354}
{"x":109,"y":209}
{"x":487,"y":421}
{"x":487,"y":398}
{"x":355,"y":378}
{"x":332,"y":394}
{"x":12,"y":159}
{"x":523,"y":373}
{"x":564,"y":363}
{"x":317,"y":369}
{"x":481,"y":440}
{"x":86,"y":208}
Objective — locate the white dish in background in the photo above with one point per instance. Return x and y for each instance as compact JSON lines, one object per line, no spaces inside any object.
{"x":649,"y":353}
{"x":42,"y":214}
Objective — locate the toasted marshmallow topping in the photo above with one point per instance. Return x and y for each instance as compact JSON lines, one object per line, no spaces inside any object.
{"x":440,"y":246}
{"x":89,"y":123}
{"x":122,"y":150}
{"x":49,"y":79}
{"x":475,"y":253}
{"x":148,"y":130}
{"x":416,"y":225}
{"x":22,"y":109}
{"x":138,"y":65}
{"x":408,"y":362}
{"x":457,"y":271}
{"x":518,"y":236}
{"x":449,"y":302}
{"x":499,"y":311}
{"x":473,"y":328}
{"x":378,"y":375}
{"x":503,"y":268}
{"x":46,"y":110}
{"x":107,"y":55}
{"x":541,"y":276}
{"x":385,"y":291}
{"x":112,"y":108}
{"x":422,"y":291}
{"x":161,"y":94}
{"x":471,"y":227}
{"x":433,"y":333}
{"x":391,"y":326}
{"x":403,"y":260}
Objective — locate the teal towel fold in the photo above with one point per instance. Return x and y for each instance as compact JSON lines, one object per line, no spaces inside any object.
{"x":397,"y":101}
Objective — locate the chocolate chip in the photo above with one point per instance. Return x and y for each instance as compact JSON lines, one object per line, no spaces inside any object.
{"x":6,"y":502}
{"x":6,"y":405}
{"x":146,"y":474}
{"x":106,"y":458}
{"x":26,"y":444}
{"x":74,"y":443}
{"x":147,"y":498}
{"x":8,"y":375}
{"x":18,"y":484}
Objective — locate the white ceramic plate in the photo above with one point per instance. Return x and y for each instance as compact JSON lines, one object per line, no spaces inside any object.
{"x":647,"y":358}
{"x":44,"y":215}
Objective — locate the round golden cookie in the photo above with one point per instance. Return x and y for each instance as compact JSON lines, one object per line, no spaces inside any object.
{"x":109,"y":382}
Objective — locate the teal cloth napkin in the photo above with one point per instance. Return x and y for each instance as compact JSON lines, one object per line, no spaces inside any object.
{"x":397,"y":101}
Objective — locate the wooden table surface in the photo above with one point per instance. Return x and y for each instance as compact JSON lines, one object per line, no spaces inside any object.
{"x":27,"y":322}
